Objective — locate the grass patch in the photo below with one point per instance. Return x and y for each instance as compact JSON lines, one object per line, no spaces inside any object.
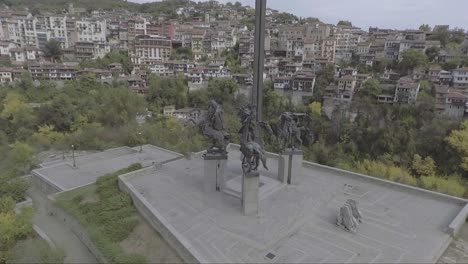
{"x":108,"y":216}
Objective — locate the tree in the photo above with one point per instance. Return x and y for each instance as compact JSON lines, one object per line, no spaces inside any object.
{"x":458,"y":140}
{"x":442,"y":35}
{"x":315,"y":108}
{"x":222,"y":89}
{"x":412,"y":58}
{"x":432,"y":53}
{"x":120,"y":107}
{"x":60,"y":113}
{"x":170,"y":90}
{"x":12,"y":103}
{"x":423,"y":167}
{"x":198,"y":98}
{"x":345,"y":23}
{"x":425,"y":28}
{"x":12,"y":226}
{"x":21,"y":158}
{"x":46,"y":136}
{"x":371,"y":88}
{"x":53,"y":50}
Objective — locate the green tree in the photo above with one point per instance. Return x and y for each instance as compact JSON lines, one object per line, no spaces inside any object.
{"x":432,"y":53}
{"x":198,"y":98}
{"x":412,"y":58}
{"x":315,"y":109}
{"x":458,"y":140}
{"x":371,"y":88}
{"x":60,"y":113}
{"x":12,"y":227}
{"x":21,"y":158}
{"x":423,"y":166}
{"x":53,"y":50}
{"x":222,"y":89}
{"x":425,"y":28}
{"x":165,"y":91}
{"x":442,"y":35}
{"x":345,"y":23}
{"x":120,"y":107}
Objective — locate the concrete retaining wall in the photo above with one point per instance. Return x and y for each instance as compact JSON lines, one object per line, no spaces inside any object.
{"x":457,"y":223}
{"x":158,"y":222}
{"x":73,"y":224}
{"x":26,"y":203}
{"x":43,"y":184}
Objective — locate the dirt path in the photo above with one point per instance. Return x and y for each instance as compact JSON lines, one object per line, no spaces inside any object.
{"x":64,"y":238}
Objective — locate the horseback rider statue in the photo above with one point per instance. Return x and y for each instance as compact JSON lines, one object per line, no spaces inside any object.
{"x":250,"y":141}
{"x":289,"y":130}
{"x":211,"y":124}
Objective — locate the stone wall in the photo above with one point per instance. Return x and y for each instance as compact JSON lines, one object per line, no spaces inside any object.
{"x":73,"y":224}
{"x":158,"y":222}
{"x":43,"y":184}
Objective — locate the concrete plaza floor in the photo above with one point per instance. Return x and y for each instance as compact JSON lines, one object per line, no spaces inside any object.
{"x":63,"y":176}
{"x":296,"y":223}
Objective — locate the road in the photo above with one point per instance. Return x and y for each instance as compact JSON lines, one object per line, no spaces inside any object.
{"x":61,"y":235}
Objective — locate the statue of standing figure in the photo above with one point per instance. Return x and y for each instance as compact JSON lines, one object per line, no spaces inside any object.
{"x":211,"y":124}
{"x":250,"y":141}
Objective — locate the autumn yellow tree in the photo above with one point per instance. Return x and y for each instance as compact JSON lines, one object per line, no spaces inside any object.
{"x":424,"y":166}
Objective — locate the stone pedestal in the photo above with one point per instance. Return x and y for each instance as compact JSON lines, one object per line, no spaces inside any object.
{"x":283,"y":167}
{"x":215,"y":165}
{"x":296,"y":160}
{"x":250,"y":189}
{"x":290,"y":163}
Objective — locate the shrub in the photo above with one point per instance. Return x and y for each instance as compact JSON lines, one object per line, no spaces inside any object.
{"x":451,"y":186}
{"x":109,"y":220}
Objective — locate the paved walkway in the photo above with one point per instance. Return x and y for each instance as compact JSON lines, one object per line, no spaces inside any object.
{"x":64,"y":238}
{"x":458,"y":250}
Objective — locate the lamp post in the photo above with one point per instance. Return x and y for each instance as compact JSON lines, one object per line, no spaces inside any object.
{"x":73,"y":155}
{"x":141,"y":141}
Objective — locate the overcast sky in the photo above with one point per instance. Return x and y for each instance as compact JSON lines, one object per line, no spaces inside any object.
{"x":399,"y":14}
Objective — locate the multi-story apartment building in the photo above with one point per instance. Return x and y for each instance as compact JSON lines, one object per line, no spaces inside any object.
{"x":302,"y":81}
{"x":246,"y":45}
{"x":6,"y":75}
{"x":406,"y":91}
{"x":460,"y":78}
{"x":312,"y":49}
{"x":165,"y":29}
{"x":329,"y":49}
{"x":151,"y":48}
{"x":346,"y":43}
{"x":451,"y":102}
{"x":197,"y":43}
{"x":295,"y":49}
{"x":93,"y":30}
{"x":29,"y":53}
{"x":56,"y":27}
{"x":52,"y":71}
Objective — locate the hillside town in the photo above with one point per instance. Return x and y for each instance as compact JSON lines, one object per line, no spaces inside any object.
{"x":173,"y":131}
{"x":214,"y":40}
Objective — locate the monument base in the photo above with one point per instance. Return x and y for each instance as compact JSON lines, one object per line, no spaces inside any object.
{"x":290,"y":163}
{"x":215,"y":165}
{"x":250,"y":189}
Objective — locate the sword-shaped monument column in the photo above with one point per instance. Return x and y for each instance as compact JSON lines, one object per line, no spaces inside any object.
{"x":251,"y":116}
